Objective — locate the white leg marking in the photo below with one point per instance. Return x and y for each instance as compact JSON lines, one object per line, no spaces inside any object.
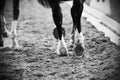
{"x":81,"y":38}
{"x":14,"y":35}
{"x":64,"y":44}
{"x":73,"y":37}
{"x":14,"y":27}
{"x":4,"y":20}
{"x":79,"y":45}
{"x":62,"y":47}
{"x":58,"y":47}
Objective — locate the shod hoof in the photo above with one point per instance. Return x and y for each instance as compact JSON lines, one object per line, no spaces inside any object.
{"x":78,"y":50}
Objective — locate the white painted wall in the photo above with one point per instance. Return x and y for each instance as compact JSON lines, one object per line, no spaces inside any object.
{"x":101,"y":5}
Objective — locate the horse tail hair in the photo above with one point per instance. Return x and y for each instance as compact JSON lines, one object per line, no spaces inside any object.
{"x":45,"y":3}
{"x":83,"y":1}
{"x":48,"y":3}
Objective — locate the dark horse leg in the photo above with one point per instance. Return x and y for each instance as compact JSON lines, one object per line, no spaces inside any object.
{"x":2,"y":4}
{"x":76,"y":12}
{"x":3,"y":21}
{"x":57,"y":17}
{"x":14,"y":23}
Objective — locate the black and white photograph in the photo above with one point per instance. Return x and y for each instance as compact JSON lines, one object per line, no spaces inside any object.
{"x":59,"y":39}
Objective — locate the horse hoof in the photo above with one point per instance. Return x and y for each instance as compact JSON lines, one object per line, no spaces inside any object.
{"x":16,"y":48}
{"x":1,"y":43}
{"x":62,"y":52}
{"x":78,"y":50}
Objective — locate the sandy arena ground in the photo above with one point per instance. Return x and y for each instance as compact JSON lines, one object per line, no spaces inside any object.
{"x":38,"y":59}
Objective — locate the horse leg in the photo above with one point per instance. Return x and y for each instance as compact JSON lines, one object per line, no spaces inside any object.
{"x":57,"y":17}
{"x":76,"y":12}
{"x":72,"y":37}
{"x":1,"y":37}
{"x":4,"y":33}
{"x":14,"y":24}
{"x":2,"y":5}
